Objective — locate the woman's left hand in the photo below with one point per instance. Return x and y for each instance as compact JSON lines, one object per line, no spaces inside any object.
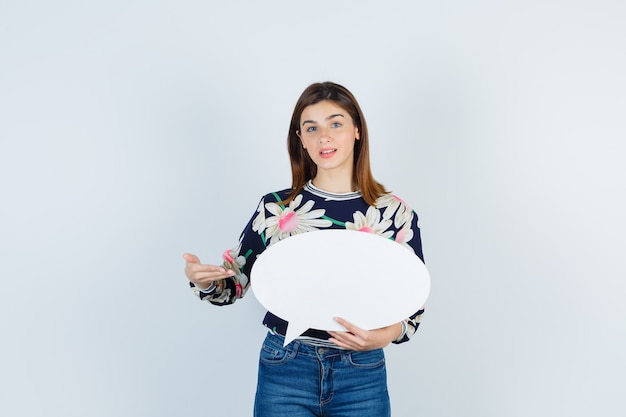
{"x":358,"y":339}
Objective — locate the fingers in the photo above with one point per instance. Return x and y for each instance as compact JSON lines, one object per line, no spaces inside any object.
{"x":354,"y":338}
{"x":203,"y":274}
{"x":346,"y":340}
{"x":200,"y":271}
{"x":213,"y":272}
{"x":349,"y":326}
{"x":359,"y":339}
{"x":189,"y":258}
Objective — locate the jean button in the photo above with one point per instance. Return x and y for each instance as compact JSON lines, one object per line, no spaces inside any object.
{"x":321,"y":351}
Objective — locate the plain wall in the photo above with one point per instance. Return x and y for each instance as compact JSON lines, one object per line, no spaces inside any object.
{"x":134,"y":131}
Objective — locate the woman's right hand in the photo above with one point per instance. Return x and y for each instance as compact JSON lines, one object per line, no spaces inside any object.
{"x":203,"y":275}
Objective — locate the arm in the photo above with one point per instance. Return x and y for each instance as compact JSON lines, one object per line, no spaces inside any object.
{"x":358,"y":339}
{"x":412,"y":237}
{"x":218,"y":285}
{"x":223,"y":285}
{"x":410,"y":327}
{"x":407,"y":233}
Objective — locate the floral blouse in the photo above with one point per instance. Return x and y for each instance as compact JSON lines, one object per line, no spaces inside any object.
{"x":313,"y":209}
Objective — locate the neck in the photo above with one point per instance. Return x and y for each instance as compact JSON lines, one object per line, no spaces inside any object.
{"x":334,"y":184}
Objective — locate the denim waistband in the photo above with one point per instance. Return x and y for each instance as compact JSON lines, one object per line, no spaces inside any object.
{"x":304,"y":346}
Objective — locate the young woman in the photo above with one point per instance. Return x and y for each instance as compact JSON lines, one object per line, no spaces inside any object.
{"x":320,"y":373}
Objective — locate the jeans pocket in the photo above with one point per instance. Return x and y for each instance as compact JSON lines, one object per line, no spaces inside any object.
{"x":274,"y":355}
{"x":366,"y":359}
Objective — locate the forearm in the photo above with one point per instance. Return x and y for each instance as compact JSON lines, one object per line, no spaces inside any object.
{"x":222,"y":292}
{"x":410,"y":327}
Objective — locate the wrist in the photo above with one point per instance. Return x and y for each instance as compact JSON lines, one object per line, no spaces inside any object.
{"x":396,"y":331}
{"x":207,"y":289}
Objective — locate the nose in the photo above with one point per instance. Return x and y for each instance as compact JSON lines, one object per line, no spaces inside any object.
{"x":324,"y":135}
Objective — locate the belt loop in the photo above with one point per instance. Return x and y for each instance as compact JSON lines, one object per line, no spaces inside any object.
{"x":295,"y":346}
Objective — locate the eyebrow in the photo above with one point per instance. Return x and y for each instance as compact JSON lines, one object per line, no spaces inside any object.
{"x":328,"y":118}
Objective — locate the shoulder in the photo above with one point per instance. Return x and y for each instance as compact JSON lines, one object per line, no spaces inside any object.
{"x":277,"y":196}
{"x":394,"y":208}
{"x":391,"y":200}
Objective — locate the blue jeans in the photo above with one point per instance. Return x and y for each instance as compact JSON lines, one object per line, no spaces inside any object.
{"x":301,"y":380}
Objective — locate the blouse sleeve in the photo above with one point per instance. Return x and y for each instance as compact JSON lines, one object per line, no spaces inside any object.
{"x":240,"y":259}
{"x":409,"y":234}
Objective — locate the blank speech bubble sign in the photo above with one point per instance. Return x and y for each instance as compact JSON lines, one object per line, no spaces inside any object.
{"x":310,"y":278}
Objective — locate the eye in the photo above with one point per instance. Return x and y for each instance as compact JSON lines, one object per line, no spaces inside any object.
{"x":311,"y":129}
{"x":336,"y":124}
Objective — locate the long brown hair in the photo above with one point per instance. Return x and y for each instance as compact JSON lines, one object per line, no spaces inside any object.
{"x":304,"y":169}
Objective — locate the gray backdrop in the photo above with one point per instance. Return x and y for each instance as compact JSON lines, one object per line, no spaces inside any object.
{"x":133,"y":131}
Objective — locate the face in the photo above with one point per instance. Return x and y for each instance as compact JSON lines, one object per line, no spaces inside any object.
{"x":328,"y":134}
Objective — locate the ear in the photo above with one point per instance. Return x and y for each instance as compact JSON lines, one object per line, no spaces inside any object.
{"x":357,"y":136}
{"x":298,"y":133}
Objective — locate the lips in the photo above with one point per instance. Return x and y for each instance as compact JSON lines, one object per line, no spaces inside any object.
{"x":327,"y":153}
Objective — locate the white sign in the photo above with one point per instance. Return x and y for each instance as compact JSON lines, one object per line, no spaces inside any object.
{"x":310,"y":278}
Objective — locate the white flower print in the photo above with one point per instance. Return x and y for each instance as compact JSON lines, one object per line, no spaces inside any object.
{"x":222,"y":298}
{"x":371,"y":222}
{"x":390,"y":203}
{"x":293,"y":220}
{"x":393,"y":204}
{"x":404,"y":235}
{"x":233,"y":259}
{"x":258,"y":224}
{"x":403,"y":216}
